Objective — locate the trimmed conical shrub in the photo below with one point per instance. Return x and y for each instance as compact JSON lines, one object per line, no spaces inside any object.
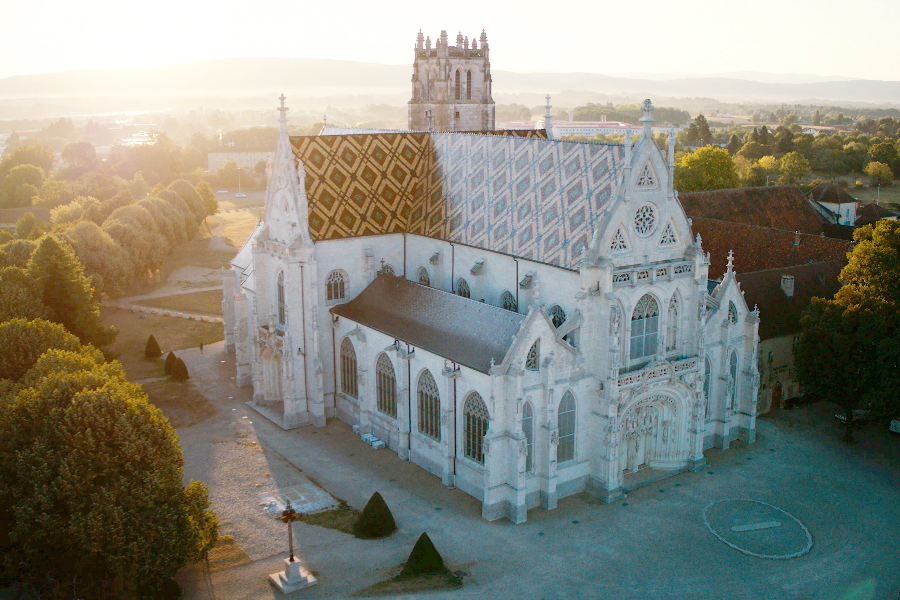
{"x":170,"y":360}
{"x":376,"y":520}
{"x":152,"y":349}
{"x":424,"y":558}
{"x":179,"y":370}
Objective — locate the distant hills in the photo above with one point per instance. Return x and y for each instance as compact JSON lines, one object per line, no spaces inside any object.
{"x":237,"y":78}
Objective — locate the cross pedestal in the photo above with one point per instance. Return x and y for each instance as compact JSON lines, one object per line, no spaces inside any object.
{"x":293,"y":578}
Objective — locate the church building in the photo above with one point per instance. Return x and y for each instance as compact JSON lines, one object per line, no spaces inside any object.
{"x":525,"y":318}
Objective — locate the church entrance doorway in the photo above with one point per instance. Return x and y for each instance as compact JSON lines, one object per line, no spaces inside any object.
{"x":640,"y":435}
{"x":271,"y":366}
{"x":776,"y":396}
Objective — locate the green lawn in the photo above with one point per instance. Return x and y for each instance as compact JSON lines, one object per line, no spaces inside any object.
{"x":206,"y":303}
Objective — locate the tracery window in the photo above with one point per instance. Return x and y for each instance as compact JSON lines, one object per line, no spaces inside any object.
{"x":462,"y":288}
{"x":508,"y":302}
{"x":732,"y":370}
{"x":528,"y":430}
{"x":732,"y":312}
{"x":668,"y":236}
{"x":335,"y":285}
{"x":644,"y":327}
{"x":386,"y":386}
{"x":707,"y":375}
{"x":424,"y":279}
{"x":672,"y":325}
{"x":457,"y":84}
{"x":469,"y":85}
{"x":387,"y":269}
{"x":348,"y":369}
{"x":557,"y":315}
{"x":476,"y":426}
{"x":429,"y":406}
{"x":644,"y":220}
{"x":618,"y":243}
{"x":532,"y":361}
{"x":565,"y":422}
{"x":646,"y":178}
{"x":281,"y":307}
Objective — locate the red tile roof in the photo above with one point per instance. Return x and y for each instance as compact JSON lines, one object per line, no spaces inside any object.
{"x":779,"y":206}
{"x":760,"y":248}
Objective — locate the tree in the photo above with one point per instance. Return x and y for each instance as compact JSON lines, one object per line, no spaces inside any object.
{"x":29,"y":227}
{"x":424,"y":558}
{"x":753,"y":151}
{"x":794,"y":167}
{"x":764,"y":136}
{"x":209,"y":198}
{"x":81,"y":157}
{"x":151,"y":350}
{"x":190,"y":196}
{"x":16,"y":253}
{"x":708,"y":168}
{"x":376,"y":520}
{"x":55,"y":193}
{"x":734,"y":144}
{"x":21,"y":184}
{"x":105,"y":468}
{"x":170,"y":362}
{"x":67,"y":292}
{"x":21,"y":295}
{"x":37,"y":155}
{"x":22,"y":343}
{"x":817,"y":118}
{"x":703,"y":130}
{"x":885,"y":152}
{"x":104,"y":261}
{"x":179,"y":370}
{"x":879,"y":173}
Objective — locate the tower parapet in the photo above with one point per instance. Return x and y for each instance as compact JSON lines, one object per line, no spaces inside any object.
{"x":451,"y":85}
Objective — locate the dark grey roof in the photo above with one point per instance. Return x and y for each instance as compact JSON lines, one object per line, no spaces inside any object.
{"x":465,"y":331}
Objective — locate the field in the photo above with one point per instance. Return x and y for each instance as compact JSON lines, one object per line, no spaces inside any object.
{"x":205,"y":303}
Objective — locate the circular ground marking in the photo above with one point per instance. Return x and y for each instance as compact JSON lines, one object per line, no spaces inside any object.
{"x":757,"y":528}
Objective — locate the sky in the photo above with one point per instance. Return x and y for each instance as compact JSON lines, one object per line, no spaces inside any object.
{"x":817,"y":37}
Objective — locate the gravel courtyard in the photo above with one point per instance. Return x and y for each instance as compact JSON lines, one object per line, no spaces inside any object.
{"x":659,"y":542}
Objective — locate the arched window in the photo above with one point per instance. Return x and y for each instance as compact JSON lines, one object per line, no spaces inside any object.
{"x":387,"y":269}
{"x":279,"y":300}
{"x":732,"y":383}
{"x":424,"y":279}
{"x":672,"y":325}
{"x":476,"y":416}
{"x":565,"y":422}
{"x":707,"y":375}
{"x":429,"y":406}
{"x":644,"y":327}
{"x":348,"y":369}
{"x":457,"y":84}
{"x":469,"y":85}
{"x":386,"y":386}
{"x":462,"y":288}
{"x":335,"y":285}
{"x":732,"y":312}
{"x":528,"y":430}
{"x":508,"y":302}
{"x":557,"y":315}
{"x":533,"y":360}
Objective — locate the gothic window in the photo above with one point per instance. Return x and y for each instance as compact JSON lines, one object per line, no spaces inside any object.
{"x":668,"y":236}
{"x":645,"y":220}
{"x":732,"y":312}
{"x":457,"y":84}
{"x":423,"y":276}
{"x":282,"y":308}
{"x":532,"y":361}
{"x":707,"y":375}
{"x":429,"y":406}
{"x":646,"y":178}
{"x":528,"y":430}
{"x":386,"y":386}
{"x":508,"y":302}
{"x":348,"y":369}
{"x":335,"y":285}
{"x":732,"y":372}
{"x":387,"y":269}
{"x":644,"y":327}
{"x":618,"y":243}
{"x":557,"y":315}
{"x":476,"y":425}
{"x":469,"y":85}
{"x":565,"y":422}
{"x":462,"y":288}
{"x":672,"y":325}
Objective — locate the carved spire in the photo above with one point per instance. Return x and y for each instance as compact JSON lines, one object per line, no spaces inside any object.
{"x":729,"y":268}
{"x":283,"y":110}
{"x":647,"y":120}
{"x":547,"y":125}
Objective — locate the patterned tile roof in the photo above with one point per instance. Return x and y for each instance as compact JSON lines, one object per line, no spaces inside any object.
{"x":515,"y":193}
{"x":780,"y":206}
{"x":779,"y":314}
{"x":760,"y":248}
{"x":870,"y":213}
{"x":465,"y":331}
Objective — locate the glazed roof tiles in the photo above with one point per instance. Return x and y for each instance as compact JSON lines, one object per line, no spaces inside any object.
{"x":512,"y":192}
{"x":465,"y":331}
{"x":780,"y":206}
{"x":761,"y":248}
{"x":780,"y":314}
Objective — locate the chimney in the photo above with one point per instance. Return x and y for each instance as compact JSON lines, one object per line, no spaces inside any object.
{"x":787,"y":285}
{"x":797,"y":238}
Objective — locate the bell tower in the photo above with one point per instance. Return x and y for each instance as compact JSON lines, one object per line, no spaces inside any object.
{"x":451,"y":85}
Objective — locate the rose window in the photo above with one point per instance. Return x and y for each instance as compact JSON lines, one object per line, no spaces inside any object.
{"x":644,"y":220}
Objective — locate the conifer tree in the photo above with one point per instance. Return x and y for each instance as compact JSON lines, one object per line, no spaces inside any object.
{"x":152,"y":349}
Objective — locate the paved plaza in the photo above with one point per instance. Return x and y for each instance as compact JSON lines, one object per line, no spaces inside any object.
{"x":795,"y":515}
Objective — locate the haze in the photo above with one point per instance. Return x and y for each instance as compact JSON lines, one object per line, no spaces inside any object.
{"x":826,"y":38}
